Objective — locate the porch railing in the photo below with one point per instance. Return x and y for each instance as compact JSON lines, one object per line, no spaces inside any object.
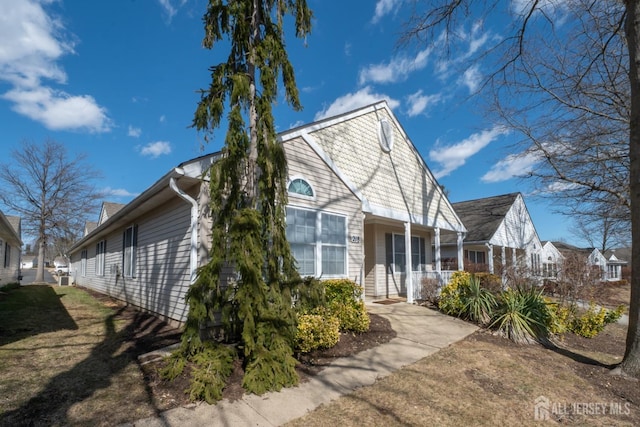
{"x":419,"y":277}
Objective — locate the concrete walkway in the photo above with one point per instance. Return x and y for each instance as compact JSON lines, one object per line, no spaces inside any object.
{"x":420,"y":332}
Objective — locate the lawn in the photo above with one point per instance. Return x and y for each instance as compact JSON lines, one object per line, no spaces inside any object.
{"x":67,"y":358}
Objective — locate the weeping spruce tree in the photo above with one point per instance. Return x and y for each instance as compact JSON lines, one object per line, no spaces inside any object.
{"x":248,"y":200}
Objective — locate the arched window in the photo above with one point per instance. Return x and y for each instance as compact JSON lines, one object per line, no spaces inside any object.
{"x":301,"y":187}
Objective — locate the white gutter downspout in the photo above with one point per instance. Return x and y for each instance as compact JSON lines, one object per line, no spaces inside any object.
{"x":193,"y":258}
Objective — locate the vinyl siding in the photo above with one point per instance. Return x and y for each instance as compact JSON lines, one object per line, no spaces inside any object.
{"x":162,"y":263}
{"x":9,"y":274}
{"x":331,"y":196}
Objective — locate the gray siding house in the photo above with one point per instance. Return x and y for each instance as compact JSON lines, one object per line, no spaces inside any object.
{"x":501,"y":235}
{"x":362,"y":205}
{"x":10,"y":248}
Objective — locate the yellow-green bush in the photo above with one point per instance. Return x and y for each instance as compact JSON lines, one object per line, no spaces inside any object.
{"x":450,"y":301}
{"x":317,"y":331}
{"x":560,"y":317}
{"x":344,"y":301}
{"x":593,"y":321}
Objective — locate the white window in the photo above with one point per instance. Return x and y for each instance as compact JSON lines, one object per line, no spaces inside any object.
{"x":613,"y":271}
{"x":299,"y":186}
{"x":475,"y":257}
{"x":101,"y":249}
{"x":317,"y":239}
{"x":130,"y":243}
{"x":83,"y":263}
{"x":418,"y":256}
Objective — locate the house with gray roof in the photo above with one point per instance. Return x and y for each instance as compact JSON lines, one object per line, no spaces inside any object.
{"x":10,"y":248}
{"x":500,"y":235}
{"x":362,"y":204}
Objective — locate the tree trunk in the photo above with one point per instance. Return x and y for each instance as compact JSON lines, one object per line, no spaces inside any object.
{"x":631,"y":362}
{"x":40,"y":269}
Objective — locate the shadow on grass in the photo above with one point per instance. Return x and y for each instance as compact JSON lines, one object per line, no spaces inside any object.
{"x":51,"y":405}
{"x":33,"y":310}
{"x":577,"y":357}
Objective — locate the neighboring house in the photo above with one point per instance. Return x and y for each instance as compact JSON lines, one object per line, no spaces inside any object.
{"x":552,"y":260}
{"x":10,"y":248}
{"x":28,"y":261}
{"x":89,"y":226}
{"x":501,"y":235}
{"x":615,"y":262}
{"x":108,"y":210}
{"x":362,"y":205}
{"x":608,"y":266}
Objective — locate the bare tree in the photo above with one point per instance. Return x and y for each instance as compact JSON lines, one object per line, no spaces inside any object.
{"x":54,"y":194}
{"x":566,"y":78}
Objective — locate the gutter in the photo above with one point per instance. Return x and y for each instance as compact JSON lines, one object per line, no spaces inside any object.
{"x":193,"y":257}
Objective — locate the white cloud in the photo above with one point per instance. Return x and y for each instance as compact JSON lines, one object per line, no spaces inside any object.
{"x":118,"y":192}
{"x":418,"y":102}
{"x":471,"y":78}
{"x":169,"y":8}
{"x":347,"y":49}
{"x":156,"y":149}
{"x":162,"y":119}
{"x":451,"y":157}
{"x":514,"y":165}
{"x":384,"y":7}
{"x":57,"y":110}
{"x":352,"y":101}
{"x":398,"y":69}
{"x":32,"y":43}
{"x":134,"y":132}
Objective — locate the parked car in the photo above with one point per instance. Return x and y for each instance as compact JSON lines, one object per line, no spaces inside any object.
{"x":62,"y":269}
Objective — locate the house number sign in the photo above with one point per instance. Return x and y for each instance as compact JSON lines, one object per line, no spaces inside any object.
{"x":355,"y":239}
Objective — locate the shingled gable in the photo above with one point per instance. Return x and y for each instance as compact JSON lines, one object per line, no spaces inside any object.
{"x":483,"y":217}
{"x":391,"y":183}
{"x":108,"y":210}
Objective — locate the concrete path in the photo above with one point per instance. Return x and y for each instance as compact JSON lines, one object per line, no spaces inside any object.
{"x":420,"y":332}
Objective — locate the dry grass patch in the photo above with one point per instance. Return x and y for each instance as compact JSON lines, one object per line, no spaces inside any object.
{"x":68,"y":359}
{"x":487,"y":380}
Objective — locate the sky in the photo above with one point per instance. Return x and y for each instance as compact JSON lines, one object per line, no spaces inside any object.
{"x":118,"y":81}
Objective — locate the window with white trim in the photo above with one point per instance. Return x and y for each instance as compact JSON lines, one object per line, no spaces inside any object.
{"x":418,"y":255}
{"x":475,"y":257}
{"x":130,"y":243}
{"x":83,"y":263}
{"x":299,"y":186}
{"x":101,"y":249}
{"x":318,"y":242}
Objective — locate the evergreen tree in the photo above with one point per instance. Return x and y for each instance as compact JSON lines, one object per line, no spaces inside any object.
{"x":248,"y":192}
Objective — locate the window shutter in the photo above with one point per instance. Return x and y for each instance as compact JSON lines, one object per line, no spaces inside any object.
{"x":388,"y":238}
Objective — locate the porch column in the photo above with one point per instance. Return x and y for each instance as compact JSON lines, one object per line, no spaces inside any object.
{"x":490,"y":256}
{"x":408,"y":279}
{"x":436,"y":244}
{"x":514,"y":257}
{"x":503,"y":258}
{"x":460,"y":252}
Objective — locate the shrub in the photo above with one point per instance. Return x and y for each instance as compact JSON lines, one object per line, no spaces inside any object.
{"x":477,"y":302}
{"x":450,"y":301}
{"x":344,"y":302}
{"x":430,"y":291}
{"x":521,"y":315}
{"x":490,"y":282}
{"x":593,"y":321}
{"x":317,"y":331}
{"x":211,"y":368}
{"x":560,"y":316}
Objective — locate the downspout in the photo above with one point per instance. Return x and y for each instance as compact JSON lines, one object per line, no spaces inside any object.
{"x":193,"y":257}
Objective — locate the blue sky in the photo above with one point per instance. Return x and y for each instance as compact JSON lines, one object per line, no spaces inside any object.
{"x":118,"y":81}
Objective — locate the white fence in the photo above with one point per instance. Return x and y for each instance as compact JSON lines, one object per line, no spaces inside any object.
{"x":443,"y":277}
